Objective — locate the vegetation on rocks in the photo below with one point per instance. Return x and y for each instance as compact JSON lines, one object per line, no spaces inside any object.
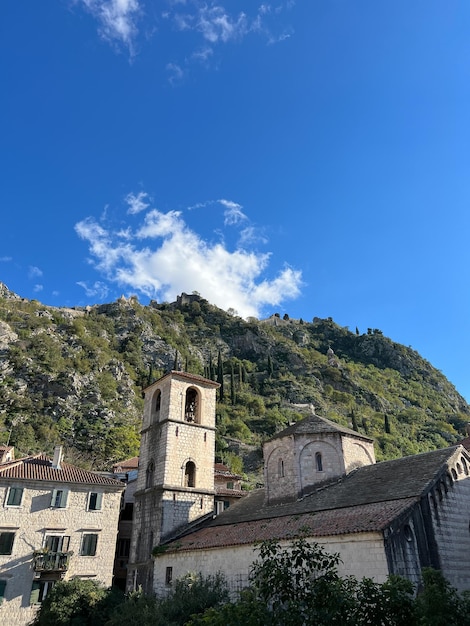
{"x":75,"y":376}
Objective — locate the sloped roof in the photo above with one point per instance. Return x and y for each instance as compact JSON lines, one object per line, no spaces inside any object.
{"x":466,"y":443}
{"x":367,"y":518}
{"x":40,"y":468}
{"x":127,"y":464}
{"x":314,"y":425}
{"x":187,"y":376}
{"x":222,"y":471}
{"x":365,"y":500}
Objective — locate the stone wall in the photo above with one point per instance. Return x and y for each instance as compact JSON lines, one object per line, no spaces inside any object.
{"x":450,"y":508}
{"x":361,"y":554}
{"x":33,"y":520}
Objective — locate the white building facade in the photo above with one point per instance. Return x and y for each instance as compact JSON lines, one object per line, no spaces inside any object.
{"x":56,"y":522}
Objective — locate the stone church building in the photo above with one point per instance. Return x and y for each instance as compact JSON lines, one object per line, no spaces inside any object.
{"x":321,"y":482}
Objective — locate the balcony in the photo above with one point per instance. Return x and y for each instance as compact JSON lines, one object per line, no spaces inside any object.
{"x":51,"y":561}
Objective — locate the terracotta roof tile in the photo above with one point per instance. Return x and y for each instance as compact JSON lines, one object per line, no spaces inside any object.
{"x":39,"y":467}
{"x":366,"y":500}
{"x":367,"y":518}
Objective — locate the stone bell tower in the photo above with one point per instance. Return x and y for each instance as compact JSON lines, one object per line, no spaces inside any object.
{"x":175,"y":483}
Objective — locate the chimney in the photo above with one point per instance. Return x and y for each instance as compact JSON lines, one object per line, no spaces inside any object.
{"x":57,"y":460}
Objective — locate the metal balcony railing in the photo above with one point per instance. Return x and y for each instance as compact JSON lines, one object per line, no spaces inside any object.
{"x":51,"y":561}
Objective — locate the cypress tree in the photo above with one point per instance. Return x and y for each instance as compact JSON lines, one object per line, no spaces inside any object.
{"x":232,"y":385}
{"x":220,"y":376}
{"x":387,"y":424}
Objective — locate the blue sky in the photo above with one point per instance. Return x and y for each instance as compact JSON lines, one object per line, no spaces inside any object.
{"x":308,"y":157}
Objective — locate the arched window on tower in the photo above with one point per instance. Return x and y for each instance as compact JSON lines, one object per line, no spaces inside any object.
{"x":191,"y":406}
{"x":149,"y":474}
{"x":280,"y":468}
{"x":319,"y":462}
{"x":190,"y":474}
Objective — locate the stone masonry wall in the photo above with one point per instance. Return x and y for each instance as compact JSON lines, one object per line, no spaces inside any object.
{"x":33,"y":520}
{"x":361,"y":554}
{"x":450,"y":509}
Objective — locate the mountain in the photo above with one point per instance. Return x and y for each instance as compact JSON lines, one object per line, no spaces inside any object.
{"x":75,"y":376}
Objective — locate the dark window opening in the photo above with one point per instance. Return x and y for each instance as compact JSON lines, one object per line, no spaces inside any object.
{"x":190,"y":474}
{"x":168,"y":575}
{"x":39,"y":590}
{"x":319,"y":462}
{"x":280,"y":468}
{"x":123,"y":547}
{"x":95,"y":500}
{"x":6,"y":542}
{"x":158,"y":401}
{"x":127,"y":512}
{"x":57,"y":543}
{"x":191,"y":406}
{"x":89,"y":542}
{"x":149,"y":475}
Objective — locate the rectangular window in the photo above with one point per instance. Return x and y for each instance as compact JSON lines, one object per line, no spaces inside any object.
{"x":59,"y":498}
{"x":40,"y":590}
{"x":3,"y":585}
{"x":230,"y":485}
{"x":168,"y":575}
{"x":6,"y":542}
{"x":123,"y":547}
{"x":57,"y":543}
{"x":15,"y":495}
{"x":89,"y":542}
{"x":94,"y":501}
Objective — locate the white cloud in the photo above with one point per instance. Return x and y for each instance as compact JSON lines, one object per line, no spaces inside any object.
{"x":176,"y":72}
{"x":117,"y":18}
{"x":217,"y":26}
{"x":6,"y":259}
{"x":38,"y":288}
{"x":233,"y":213}
{"x":164,"y":257}
{"x":97,"y":289}
{"x":34,"y":272}
{"x":137,"y":203}
{"x":251,"y":235}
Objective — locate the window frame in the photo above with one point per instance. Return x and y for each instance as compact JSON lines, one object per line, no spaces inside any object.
{"x":98,"y":501}
{"x":3,"y":586}
{"x":14,"y":491}
{"x":88,"y":546}
{"x":62,"y":541}
{"x":7,"y":543}
{"x":39,"y":590}
{"x":59,"y":501}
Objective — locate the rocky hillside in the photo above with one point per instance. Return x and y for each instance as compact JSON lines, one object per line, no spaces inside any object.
{"x":75,"y":376}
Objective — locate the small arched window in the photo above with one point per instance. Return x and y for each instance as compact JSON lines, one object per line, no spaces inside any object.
{"x":191,"y":406}
{"x":280,"y":468}
{"x":319,"y":462}
{"x":158,"y":401}
{"x":465,"y":466}
{"x":190,"y":474}
{"x":149,"y":475}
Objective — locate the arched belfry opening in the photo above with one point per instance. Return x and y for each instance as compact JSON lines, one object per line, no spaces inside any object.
{"x":191,"y":406}
{"x":190,"y":474}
